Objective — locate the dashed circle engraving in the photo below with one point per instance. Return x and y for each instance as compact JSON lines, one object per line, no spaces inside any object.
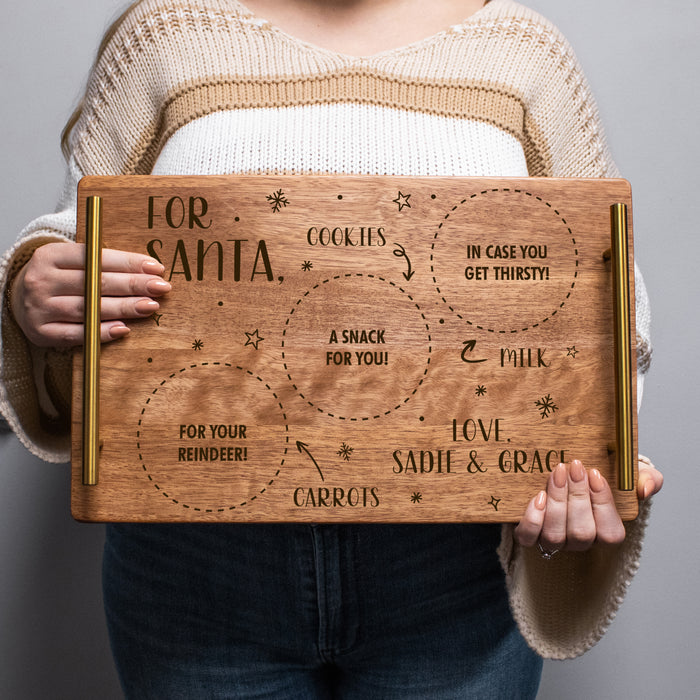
{"x":212,"y":437}
{"x":474,"y":253}
{"x":356,"y":347}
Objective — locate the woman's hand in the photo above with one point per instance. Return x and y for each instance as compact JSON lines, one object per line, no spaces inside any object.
{"x":578,"y":509}
{"x":47,"y":296}
{"x":650,"y":479}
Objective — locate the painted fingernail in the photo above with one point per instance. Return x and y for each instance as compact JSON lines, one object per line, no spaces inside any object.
{"x":146,"y":306}
{"x":559,"y":475}
{"x":158,"y":286}
{"x":541,"y":500}
{"x":153,"y":267}
{"x":578,"y":473}
{"x":119,"y":331}
{"x":595,"y":479}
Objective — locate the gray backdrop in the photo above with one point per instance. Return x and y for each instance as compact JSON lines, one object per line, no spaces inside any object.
{"x":642,"y":59}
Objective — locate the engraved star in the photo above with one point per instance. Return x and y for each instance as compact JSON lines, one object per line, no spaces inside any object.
{"x":416,"y":497}
{"x":197,"y":344}
{"x":572,"y":351}
{"x":307,"y":265}
{"x":480,"y":390}
{"x":156,"y":318}
{"x":494,"y":502}
{"x":402,"y":200}
{"x":254,"y":338}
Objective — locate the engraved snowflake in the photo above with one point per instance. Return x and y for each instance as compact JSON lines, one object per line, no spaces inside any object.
{"x":480,"y":390}
{"x":197,"y":344}
{"x":416,"y":497}
{"x":546,"y":406}
{"x":345,"y":451}
{"x":307,"y":265}
{"x":277,"y":200}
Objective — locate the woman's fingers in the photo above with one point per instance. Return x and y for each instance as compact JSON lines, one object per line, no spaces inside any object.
{"x":586,"y":514}
{"x":67,"y":335}
{"x":578,"y":509}
{"x":71,"y":309}
{"x":124,"y":261}
{"x":123,"y":284}
{"x":650,"y":478}
{"x":71,"y":282}
{"x":528,"y":530}
{"x":609,"y":527}
{"x":47,"y":294}
{"x":580,"y":523}
{"x":554,"y":527}
{"x":71,"y":256}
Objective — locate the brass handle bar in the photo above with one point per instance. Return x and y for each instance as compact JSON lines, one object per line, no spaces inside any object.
{"x":91,"y":356}
{"x":623,"y":347}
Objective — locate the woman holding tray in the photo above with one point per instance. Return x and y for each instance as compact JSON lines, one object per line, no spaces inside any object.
{"x":296,"y":611}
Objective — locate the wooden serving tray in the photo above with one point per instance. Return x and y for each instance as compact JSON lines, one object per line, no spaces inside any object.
{"x":356,"y":349}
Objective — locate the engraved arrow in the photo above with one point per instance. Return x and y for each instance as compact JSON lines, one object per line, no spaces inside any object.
{"x":302,"y":447}
{"x":400,"y":252}
{"x":469,"y":346}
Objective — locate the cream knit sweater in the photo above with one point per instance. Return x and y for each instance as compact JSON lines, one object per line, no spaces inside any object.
{"x":206,"y":87}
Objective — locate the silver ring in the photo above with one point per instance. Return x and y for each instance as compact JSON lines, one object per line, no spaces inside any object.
{"x":546,"y":554}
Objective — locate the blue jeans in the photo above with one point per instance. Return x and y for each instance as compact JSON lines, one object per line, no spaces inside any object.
{"x":313,"y":611}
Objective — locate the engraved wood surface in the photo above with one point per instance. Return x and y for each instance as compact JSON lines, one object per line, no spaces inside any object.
{"x":355,"y":348}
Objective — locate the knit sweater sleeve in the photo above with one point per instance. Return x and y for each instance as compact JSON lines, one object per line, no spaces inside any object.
{"x":114,"y":135}
{"x":563,"y":606}
{"x":35,"y":383}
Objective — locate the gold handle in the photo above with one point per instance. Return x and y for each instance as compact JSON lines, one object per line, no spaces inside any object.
{"x":91,"y":360}
{"x":623,"y":347}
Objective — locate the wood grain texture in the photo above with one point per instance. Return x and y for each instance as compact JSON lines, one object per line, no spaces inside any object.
{"x":355,"y":348}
